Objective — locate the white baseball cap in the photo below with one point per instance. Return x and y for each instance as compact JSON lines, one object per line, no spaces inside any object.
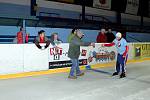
{"x":119,"y":35}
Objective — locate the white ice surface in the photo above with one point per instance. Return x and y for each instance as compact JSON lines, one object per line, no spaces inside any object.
{"x":93,"y":85}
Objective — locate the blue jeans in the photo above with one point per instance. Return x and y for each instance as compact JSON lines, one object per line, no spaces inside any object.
{"x":75,"y":70}
{"x":121,"y":63}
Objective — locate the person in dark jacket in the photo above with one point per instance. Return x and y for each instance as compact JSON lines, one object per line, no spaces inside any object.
{"x":74,"y":52}
{"x":41,"y":38}
{"x":110,"y":36}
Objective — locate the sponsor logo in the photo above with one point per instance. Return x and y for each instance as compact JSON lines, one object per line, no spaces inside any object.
{"x":102,"y":1}
{"x":137,"y":51}
{"x":133,"y":2}
{"x":119,"y":44}
{"x":68,"y":63}
{"x":105,"y":4}
{"x":102,"y":55}
{"x":142,"y":50}
{"x":56,"y":52}
{"x":84,"y":52}
{"x":145,"y":50}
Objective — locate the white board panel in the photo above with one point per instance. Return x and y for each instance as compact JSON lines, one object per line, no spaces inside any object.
{"x":11,"y":58}
{"x":34,"y":58}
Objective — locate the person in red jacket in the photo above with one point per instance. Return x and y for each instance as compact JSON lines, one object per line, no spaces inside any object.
{"x":27,"y":38}
{"x":102,"y":38}
{"x":20,"y":36}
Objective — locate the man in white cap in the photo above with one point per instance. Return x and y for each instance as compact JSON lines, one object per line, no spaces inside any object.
{"x":122,"y":49}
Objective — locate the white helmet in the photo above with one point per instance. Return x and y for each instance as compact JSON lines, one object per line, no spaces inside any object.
{"x":119,"y":35}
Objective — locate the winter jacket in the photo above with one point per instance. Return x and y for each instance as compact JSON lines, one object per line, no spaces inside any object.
{"x":101,"y":38}
{"x":74,"y":47}
{"x":37,"y":42}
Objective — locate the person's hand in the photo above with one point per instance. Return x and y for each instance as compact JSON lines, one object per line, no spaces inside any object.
{"x":39,"y":46}
{"x":124,"y":55}
{"x":46,"y":46}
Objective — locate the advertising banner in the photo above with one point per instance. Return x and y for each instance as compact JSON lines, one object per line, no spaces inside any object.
{"x":142,"y":50}
{"x":101,"y":54}
{"x":58,"y":56}
{"x":132,"y":7}
{"x":104,"y":4}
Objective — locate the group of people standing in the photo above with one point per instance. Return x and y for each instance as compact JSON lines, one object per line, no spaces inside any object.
{"x":19,"y":39}
{"x":105,"y":36}
{"x":75,"y":41}
{"x":121,"y":45}
{"x":40,"y":38}
{"x":106,"y":39}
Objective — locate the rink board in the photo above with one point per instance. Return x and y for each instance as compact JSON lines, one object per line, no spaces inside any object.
{"x":21,"y":58}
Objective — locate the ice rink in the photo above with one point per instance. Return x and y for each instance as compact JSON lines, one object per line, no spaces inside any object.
{"x":94,"y":85}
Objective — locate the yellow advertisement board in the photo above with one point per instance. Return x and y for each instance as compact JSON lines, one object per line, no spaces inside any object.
{"x":142,"y":50}
{"x":145,"y":50}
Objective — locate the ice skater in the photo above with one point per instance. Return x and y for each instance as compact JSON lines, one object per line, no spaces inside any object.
{"x":122,"y":50}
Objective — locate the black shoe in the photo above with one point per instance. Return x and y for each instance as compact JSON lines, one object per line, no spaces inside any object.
{"x":81,"y":74}
{"x":115,"y":73}
{"x":72,"y":77}
{"x":123,"y":75}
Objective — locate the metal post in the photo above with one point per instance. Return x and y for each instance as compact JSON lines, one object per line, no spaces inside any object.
{"x":24,"y":31}
{"x":141,"y":21}
{"x":83,"y":10}
{"x":33,"y":8}
{"x":118,"y":18}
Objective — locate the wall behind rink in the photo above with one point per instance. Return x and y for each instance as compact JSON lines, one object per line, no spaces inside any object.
{"x":64,"y":32}
{"x":18,"y":58}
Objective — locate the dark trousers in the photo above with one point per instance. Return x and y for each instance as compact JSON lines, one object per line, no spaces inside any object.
{"x":121,"y":63}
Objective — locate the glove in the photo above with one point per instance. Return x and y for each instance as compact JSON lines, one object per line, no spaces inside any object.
{"x":46,"y":46}
{"x":124,"y":55}
{"x":39,"y":46}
